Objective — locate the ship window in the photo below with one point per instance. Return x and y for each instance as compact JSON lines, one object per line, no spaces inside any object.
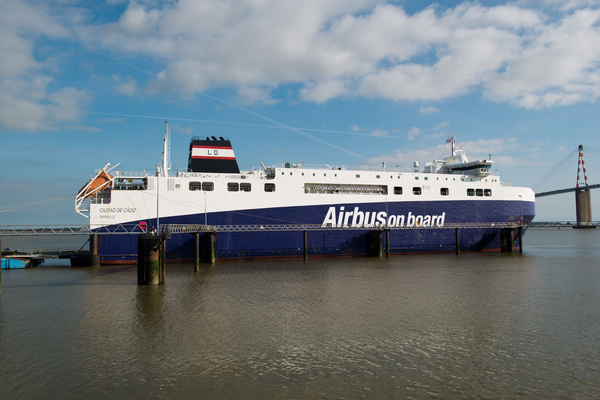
{"x":102,"y":197}
{"x":195,"y":186}
{"x":479,"y":192}
{"x":130,"y":184}
{"x":397,"y":189}
{"x":416,"y":178}
{"x":233,"y":187}
{"x":357,"y":175}
{"x":245,"y":187}
{"x":444,"y":191}
{"x":335,"y":188}
{"x":208,"y":186}
{"x":378,"y":176}
{"x":426,"y":178}
{"x":269,"y":187}
{"x":282,"y":172}
{"x":470,"y":192}
{"x":487,"y":192}
{"x":417,"y":190}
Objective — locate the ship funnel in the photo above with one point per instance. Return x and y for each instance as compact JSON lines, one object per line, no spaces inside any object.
{"x":212,"y":156}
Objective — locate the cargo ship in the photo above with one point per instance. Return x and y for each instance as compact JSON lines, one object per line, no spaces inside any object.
{"x":417,"y":207}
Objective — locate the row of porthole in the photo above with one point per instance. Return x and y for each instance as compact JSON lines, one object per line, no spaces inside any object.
{"x":270,"y":187}
{"x":231,"y":186}
{"x":446,"y":192}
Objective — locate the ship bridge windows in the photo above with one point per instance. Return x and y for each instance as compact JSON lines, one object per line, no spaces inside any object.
{"x":195,"y":185}
{"x":397,"y":189}
{"x":479,"y":192}
{"x":130,"y":184}
{"x":417,"y":191}
{"x":269,"y":187}
{"x":444,"y":191}
{"x":237,"y":187}
{"x":205,"y":186}
{"x":338,"y":188}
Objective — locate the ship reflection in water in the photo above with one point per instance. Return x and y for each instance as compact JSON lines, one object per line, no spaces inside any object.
{"x":476,"y":326}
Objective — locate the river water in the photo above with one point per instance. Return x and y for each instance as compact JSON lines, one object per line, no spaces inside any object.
{"x":431,"y":326}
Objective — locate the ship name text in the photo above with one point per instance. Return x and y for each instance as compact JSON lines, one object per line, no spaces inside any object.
{"x":117,"y":210}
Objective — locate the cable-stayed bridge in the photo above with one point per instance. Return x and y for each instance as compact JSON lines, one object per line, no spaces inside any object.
{"x":582,"y":188}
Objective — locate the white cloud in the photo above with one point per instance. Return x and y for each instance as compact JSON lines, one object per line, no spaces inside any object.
{"x":83,"y":128}
{"x":111,"y":120}
{"x":443,"y":124}
{"x":323,"y":91}
{"x":66,"y":105}
{"x":428,"y":110}
{"x":378,"y":132}
{"x":255,"y":94}
{"x":558,"y":67}
{"x":29,"y":98}
{"x":127,"y":88}
{"x":185,"y":131}
{"x":26,"y":105}
{"x":354,"y":128}
{"x":530,"y":55}
{"x":413,"y":133}
{"x":478,"y":148}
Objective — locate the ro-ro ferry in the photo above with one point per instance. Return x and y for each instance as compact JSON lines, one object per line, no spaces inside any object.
{"x":417,"y":207}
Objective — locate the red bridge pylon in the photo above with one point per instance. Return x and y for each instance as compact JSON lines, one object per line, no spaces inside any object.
{"x":583,"y":200}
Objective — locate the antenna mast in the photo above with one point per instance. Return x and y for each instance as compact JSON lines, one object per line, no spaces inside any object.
{"x":166,"y":156}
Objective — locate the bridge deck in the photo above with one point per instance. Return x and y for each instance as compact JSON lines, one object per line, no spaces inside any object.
{"x":553,"y":192}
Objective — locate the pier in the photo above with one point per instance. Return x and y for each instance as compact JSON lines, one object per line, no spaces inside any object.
{"x":151,"y":257}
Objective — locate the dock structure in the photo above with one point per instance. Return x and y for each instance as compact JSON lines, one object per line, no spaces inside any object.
{"x":376,"y":233}
{"x":151,"y":258}
{"x":561,"y":224}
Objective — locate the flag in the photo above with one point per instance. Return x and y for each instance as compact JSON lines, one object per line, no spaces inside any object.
{"x":448,"y":140}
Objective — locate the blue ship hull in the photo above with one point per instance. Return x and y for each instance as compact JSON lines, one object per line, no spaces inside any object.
{"x":245,"y":245}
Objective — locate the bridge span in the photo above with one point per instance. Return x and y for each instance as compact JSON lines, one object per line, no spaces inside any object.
{"x":583,"y":199}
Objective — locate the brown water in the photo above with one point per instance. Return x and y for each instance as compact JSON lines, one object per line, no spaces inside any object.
{"x":433,"y":326}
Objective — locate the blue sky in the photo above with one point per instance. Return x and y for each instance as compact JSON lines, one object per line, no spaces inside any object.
{"x":359,"y":81}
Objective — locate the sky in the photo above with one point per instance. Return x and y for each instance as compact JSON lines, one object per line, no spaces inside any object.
{"x":337,"y":82}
